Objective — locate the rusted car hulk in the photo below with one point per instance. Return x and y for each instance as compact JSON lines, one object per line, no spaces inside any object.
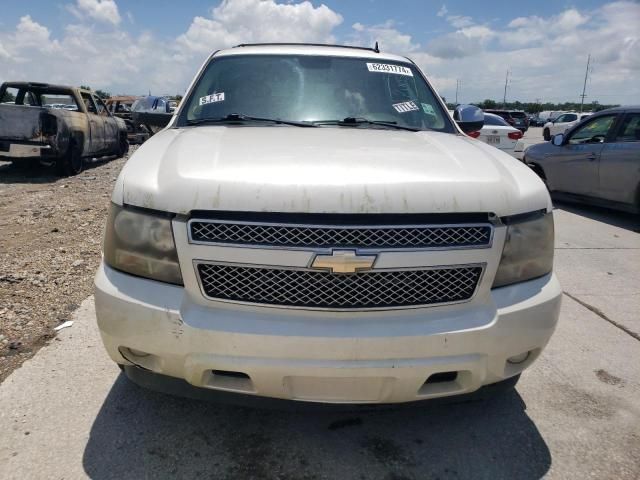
{"x":120,"y":106}
{"x":32,"y":127}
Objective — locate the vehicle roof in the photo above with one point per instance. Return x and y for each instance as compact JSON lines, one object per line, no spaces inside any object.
{"x":122,"y":98}
{"x":42,"y":86}
{"x":310,"y":49}
{"x":622,"y":108}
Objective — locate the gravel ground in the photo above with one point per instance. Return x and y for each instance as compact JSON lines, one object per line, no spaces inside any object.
{"x":51,"y":232}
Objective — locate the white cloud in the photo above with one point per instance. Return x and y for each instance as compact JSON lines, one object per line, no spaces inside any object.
{"x":30,"y":33}
{"x":443,"y":11}
{"x":547,"y":55}
{"x":459,"y":21}
{"x":388,"y":37}
{"x":4,"y":53}
{"x":101,"y":10}
{"x":250,"y":21}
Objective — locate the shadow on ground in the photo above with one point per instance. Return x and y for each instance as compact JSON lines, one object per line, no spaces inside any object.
{"x":143,"y":434}
{"x":628,"y":221}
{"x":32,"y":172}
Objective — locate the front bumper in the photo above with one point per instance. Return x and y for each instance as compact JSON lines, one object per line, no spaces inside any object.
{"x":336,"y":357}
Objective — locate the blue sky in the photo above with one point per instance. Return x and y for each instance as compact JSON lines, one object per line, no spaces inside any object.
{"x":131,"y":46}
{"x":417,"y":17}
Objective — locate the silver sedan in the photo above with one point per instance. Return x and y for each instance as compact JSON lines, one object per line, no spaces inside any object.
{"x":597,"y":161}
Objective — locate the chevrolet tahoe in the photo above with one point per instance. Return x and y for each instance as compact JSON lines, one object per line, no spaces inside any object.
{"x":313,"y":225}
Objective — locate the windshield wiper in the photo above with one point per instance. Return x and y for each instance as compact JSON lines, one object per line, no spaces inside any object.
{"x":240,"y":118}
{"x":355,"y":121}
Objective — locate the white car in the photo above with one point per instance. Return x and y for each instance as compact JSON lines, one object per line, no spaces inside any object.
{"x":312,"y":225}
{"x":498,"y":133}
{"x":562,"y":123}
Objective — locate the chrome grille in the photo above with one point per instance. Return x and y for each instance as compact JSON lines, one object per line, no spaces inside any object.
{"x":432,"y":236}
{"x":320,"y":289}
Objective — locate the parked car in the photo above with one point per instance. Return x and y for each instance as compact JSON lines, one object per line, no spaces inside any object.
{"x":596,"y":161}
{"x":548,"y":115}
{"x":31,"y":130}
{"x":516,"y":118}
{"x":120,"y":107}
{"x":562,"y":123}
{"x":536,"y":121}
{"x":498,"y":133}
{"x":153,"y":112}
{"x":312,"y":225}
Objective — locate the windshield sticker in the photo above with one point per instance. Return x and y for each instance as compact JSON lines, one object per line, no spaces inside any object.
{"x":387,"y":68}
{"x":213,"y":98}
{"x":428,"y":109}
{"x":405,"y":107}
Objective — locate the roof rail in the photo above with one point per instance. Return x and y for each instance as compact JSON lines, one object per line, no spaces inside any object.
{"x":375,"y":49}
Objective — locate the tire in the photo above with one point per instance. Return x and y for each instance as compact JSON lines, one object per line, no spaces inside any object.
{"x":546,"y":134}
{"x":71,"y":163}
{"x":538,"y":170}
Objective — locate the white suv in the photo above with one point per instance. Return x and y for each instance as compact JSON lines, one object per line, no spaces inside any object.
{"x":562,"y":123}
{"x":312,"y":225}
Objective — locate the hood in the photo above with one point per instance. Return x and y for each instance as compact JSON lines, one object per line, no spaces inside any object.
{"x":325,"y":170}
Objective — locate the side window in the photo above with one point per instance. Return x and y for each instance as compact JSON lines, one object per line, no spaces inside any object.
{"x":160,"y":105}
{"x":570,"y":117}
{"x":88,"y":103}
{"x":9,"y":95}
{"x":630,"y":130}
{"x":594,"y":131}
{"x":102,"y":110}
{"x":561,"y":119}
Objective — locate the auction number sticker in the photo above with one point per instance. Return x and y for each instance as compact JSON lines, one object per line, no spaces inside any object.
{"x":405,"y":107}
{"x":213,"y":98}
{"x":388,"y":68}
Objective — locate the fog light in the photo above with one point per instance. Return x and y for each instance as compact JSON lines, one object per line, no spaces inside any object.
{"x":518,"y":358}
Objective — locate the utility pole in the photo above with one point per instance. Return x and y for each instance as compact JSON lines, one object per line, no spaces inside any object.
{"x":458,"y":85}
{"x":506,"y":82}
{"x":584,"y":87}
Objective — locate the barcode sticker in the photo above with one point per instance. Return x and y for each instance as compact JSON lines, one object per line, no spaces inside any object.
{"x":388,"y":68}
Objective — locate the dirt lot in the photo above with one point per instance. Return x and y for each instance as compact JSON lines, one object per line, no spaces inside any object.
{"x":49,"y":250}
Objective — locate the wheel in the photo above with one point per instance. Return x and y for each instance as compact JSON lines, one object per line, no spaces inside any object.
{"x":546,"y":134}
{"x":538,"y":170}
{"x":123,"y":146}
{"x":72,"y":162}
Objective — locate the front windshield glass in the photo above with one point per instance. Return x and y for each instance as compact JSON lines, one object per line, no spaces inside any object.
{"x":305,"y":88}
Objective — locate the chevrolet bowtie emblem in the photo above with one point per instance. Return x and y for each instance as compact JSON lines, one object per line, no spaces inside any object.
{"x":343,"y":261}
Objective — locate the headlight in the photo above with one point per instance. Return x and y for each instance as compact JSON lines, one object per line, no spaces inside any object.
{"x":142,"y":244}
{"x":528,"y":251}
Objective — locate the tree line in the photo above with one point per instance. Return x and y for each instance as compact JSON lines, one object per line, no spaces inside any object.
{"x":534,"y":107}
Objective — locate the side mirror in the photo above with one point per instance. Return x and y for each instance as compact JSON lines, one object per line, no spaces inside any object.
{"x":558,"y":139}
{"x":469,"y":118}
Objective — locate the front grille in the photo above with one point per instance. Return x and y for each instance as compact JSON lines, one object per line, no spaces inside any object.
{"x":320,"y":289}
{"x":436,"y":236}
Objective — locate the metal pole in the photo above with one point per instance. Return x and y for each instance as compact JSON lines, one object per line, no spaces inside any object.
{"x":457,"y":88}
{"x":504,"y":99}
{"x":584,"y":87}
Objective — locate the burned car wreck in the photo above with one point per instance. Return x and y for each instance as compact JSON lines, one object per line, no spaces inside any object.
{"x":121,"y":107}
{"x":57,"y":125}
{"x":153,"y":112}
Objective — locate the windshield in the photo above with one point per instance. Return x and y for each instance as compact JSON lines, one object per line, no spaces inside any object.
{"x":518,"y":114}
{"x":303,"y":88}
